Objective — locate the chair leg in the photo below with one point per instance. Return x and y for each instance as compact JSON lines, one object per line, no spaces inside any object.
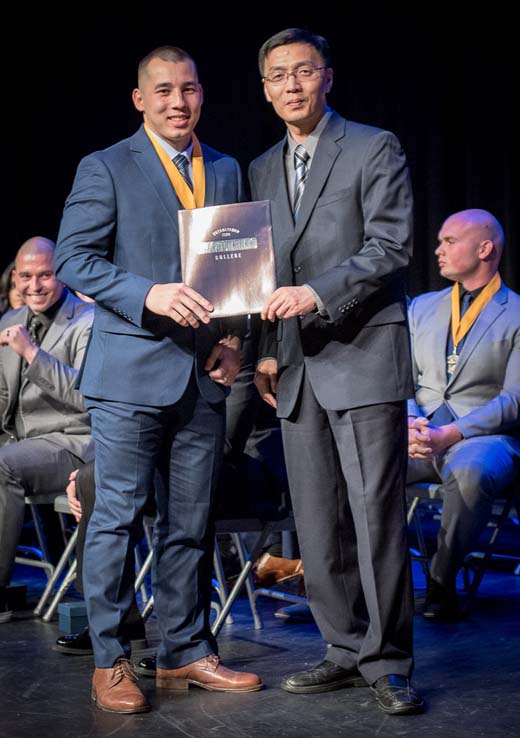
{"x":242,"y":555}
{"x":414,"y":515}
{"x":242,"y":577}
{"x":67,"y":581}
{"x":45,"y":563}
{"x":60,"y":566}
{"x":143,"y":571}
{"x":221,"y":588}
{"x":148,"y":609}
{"x":138,"y":568}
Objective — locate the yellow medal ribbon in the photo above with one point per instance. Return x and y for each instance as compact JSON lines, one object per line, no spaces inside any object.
{"x":188,"y":198}
{"x":459,"y":327}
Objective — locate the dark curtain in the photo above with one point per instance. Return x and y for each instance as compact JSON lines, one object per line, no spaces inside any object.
{"x":443,"y":84}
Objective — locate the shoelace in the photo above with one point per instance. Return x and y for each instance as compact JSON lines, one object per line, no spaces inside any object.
{"x":213,"y":661}
{"x":123,"y":669}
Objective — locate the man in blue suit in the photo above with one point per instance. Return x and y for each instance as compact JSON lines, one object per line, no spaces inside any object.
{"x":155,"y":380}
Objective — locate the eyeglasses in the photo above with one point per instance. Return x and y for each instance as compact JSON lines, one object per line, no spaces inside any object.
{"x":302,"y":73}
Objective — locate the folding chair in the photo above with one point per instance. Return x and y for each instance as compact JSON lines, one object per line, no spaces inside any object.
{"x":30,"y":555}
{"x":68,"y":558}
{"x":61,"y":506}
{"x":284,"y":521}
{"x":247,"y":501}
{"x":421,"y":495}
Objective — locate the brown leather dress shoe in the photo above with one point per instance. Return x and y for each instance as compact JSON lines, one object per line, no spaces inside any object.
{"x":274,"y":569}
{"x":115,"y":689}
{"x":208,"y":673}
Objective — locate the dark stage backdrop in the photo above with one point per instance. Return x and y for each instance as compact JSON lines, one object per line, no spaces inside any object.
{"x":443,"y":85}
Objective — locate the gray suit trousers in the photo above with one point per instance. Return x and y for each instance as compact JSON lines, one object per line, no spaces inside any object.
{"x":29,"y":467}
{"x":473,"y":472}
{"x":346,"y":475}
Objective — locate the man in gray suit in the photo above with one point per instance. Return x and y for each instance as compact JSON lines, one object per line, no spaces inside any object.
{"x":464,"y":423}
{"x":335,"y":360}
{"x":45,"y":427}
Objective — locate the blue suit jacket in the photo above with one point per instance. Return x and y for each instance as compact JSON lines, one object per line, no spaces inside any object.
{"x":118,"y":237}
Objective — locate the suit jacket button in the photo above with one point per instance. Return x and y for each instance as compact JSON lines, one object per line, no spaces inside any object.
{"x":297,"y":269}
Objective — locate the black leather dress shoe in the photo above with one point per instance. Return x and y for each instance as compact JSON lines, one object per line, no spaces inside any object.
{"x":441,"y":602}
{"x":147,"y":666}
{"x":77,"y":644}
{"x":80,"y":644}
{"x":395,"y":695}
{"x":323,"y":678}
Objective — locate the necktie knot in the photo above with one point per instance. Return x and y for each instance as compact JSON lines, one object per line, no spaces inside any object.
{"x":300,"y":155}
{"x":182,"y":164}
{"x":301,"y":158}
{"x":465,"y":302}
{"x":34,"y":328}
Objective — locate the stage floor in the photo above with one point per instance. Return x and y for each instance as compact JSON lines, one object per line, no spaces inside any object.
{"x":468,"y":672}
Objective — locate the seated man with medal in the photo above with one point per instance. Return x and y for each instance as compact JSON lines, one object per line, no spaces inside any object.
{"x":464,"y":428}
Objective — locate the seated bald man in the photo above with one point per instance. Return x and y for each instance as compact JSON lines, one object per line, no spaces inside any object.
{"x":45,"y":428}
{"x":464,"y":427}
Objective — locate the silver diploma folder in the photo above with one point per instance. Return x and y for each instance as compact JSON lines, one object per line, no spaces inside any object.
{"x":227,"y":255}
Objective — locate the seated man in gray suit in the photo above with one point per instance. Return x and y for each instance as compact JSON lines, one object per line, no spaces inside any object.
{"x":464,"y":426}
{"x":45,"y":429}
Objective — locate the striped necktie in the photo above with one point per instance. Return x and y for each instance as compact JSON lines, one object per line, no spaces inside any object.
{"x":300,"y":175}
{"x":182,"y":164}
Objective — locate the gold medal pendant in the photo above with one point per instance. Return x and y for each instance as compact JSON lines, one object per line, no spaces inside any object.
{"x":452,"y":361}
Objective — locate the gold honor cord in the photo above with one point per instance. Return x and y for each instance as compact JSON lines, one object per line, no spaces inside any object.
{"x":188,"y":198}
{"x":459,"y":327}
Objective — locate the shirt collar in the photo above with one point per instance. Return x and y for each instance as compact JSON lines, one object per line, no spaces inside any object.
{"x":47,"y":317}
{"x":170,"y":150}
{"x":312,"y":139}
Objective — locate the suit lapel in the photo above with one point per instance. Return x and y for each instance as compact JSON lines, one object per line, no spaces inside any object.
{"x":485,"y":320}
{"x":436,"y":346}
{"x":59,"y":324}
{"x":211,"y":180}
{"x":327,"y":151}
{"x":282,"y":217}
{"x":278,"y":193}
{"x":150,"y":164}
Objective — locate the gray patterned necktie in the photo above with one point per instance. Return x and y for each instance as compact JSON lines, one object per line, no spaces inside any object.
{"x":300,"y":175}
{"x":182,"y":165}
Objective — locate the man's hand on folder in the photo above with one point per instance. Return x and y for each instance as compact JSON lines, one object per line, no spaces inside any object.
{"x":180,"y":303}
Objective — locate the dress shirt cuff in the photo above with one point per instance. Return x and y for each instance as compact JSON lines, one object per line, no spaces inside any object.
{"x":320,"y":307}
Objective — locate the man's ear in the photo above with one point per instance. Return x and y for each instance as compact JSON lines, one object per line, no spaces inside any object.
{"x":485,"y":249}
{"x":329,"y":79}
{"x":137,"y":99}
{"x":267,"y":95}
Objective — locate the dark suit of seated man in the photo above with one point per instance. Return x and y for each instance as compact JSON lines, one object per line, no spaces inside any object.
{"x":464,"y":426}
{"x":45,"y":428}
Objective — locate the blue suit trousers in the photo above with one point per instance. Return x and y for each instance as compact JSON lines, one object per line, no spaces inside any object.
{"x":183,"y":442}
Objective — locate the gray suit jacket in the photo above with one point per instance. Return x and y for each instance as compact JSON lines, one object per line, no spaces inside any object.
{"x":483,"y":394}
{"x":351,"y":243}
{"x":50,"y":403}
